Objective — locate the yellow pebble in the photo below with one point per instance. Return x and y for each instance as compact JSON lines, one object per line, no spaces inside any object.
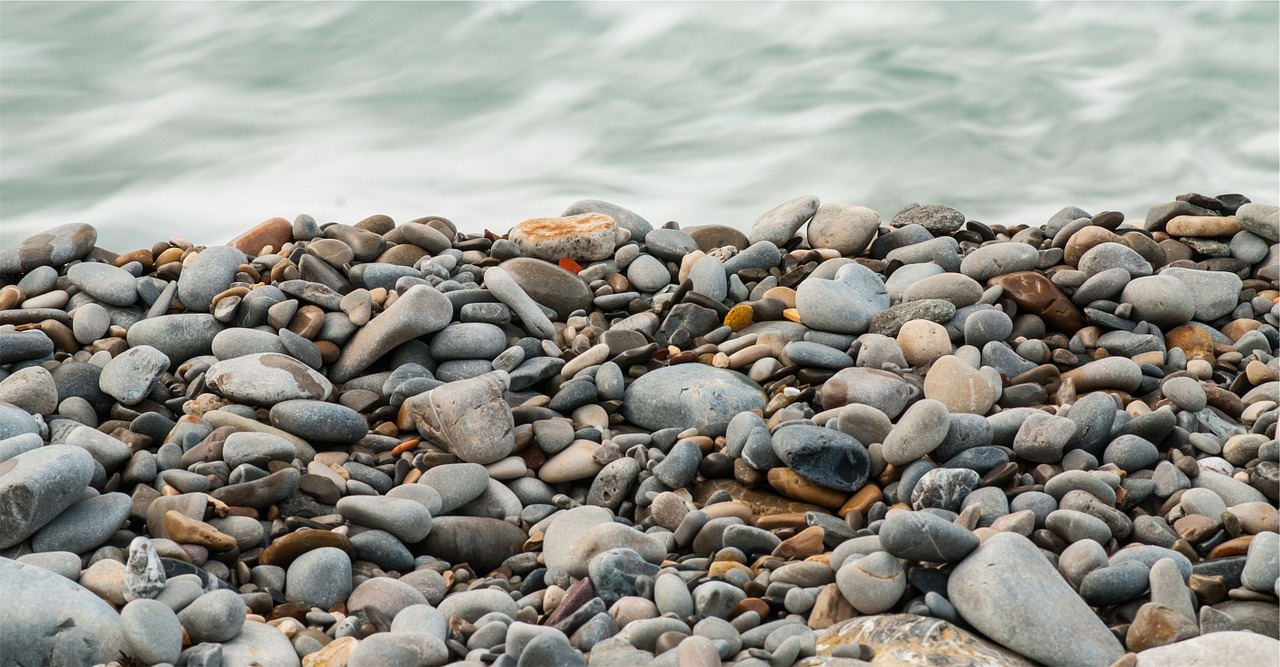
{"x":792,"y":314}
{"x":739,"y":317}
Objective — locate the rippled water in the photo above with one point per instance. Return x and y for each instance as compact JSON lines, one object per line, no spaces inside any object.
{"x":151,"y":119}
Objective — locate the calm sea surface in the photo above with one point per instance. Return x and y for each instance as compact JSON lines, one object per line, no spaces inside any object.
{"x":153,"y":119}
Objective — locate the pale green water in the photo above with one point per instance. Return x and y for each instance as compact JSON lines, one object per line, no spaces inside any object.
{"x":151,"y":119}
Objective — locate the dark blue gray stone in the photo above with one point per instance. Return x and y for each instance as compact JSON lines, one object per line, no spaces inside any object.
{"x":823,"y":456}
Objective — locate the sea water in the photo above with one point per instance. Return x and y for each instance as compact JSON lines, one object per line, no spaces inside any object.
{"x":197,"y":119}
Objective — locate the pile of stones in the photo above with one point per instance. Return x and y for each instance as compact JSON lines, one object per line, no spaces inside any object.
{"x":830,"y":440}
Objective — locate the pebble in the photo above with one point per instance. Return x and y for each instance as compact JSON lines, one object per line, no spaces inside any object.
{"x":108,"y":284}
{"x":780,"y":223}
{"x":945,"y":542}
{"x":152,"y":631}
{"x":845,"y":228}
{"x":470,"y":417}
{"x":319,"y":577}
{"x":37,"y":486}
{"x":689,"y":395}
{"x":586,"y":237}
{"x":872,"y":584}
{"x":216,"y":616}
{"x":80,"y":629}
{"x":1007,"y":575}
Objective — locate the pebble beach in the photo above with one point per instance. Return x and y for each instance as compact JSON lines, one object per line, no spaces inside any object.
{"x":828,"y":438}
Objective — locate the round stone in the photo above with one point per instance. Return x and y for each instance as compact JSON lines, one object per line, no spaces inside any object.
{"x":919,"y":432}
{"x":320,"y":577}
{"x":872,"y":584}
{"x":648,"y":274}
{"x":210,"y":273}
{"x":32,"y":389}
{"x":844,"y":305}
{"x":1185,"y":392}
{"x":90,"y":322}
{"x":844,"y":228}
{"x":152,"y":631}
{"x":689,"y":396}
{"x":1160,"y":300}
{"x":959,"y":386}
{"x":384,"y":596}
{"x":468,"y":340}
{"x":216,"y":616}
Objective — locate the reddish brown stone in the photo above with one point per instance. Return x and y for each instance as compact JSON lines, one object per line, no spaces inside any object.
{"x":274,"y":232}
{"x":1036,"y":294}
{"x":1085,"y":239}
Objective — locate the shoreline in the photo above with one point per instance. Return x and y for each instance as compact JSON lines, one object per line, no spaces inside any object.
{"x":595,"y":440}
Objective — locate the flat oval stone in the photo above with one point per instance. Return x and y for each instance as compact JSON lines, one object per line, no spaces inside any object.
{"x":406,"y":519}
{"x":285,"y":549}
{"x":882,"y":390}
{"x":318,"y":421}
{"x":483,"y":542}
{"x":85,"y":525}
{"x":418,"y":311}
{"x":179,"y":337}
{"x":688,"y":396}
{"x":54,"y":247}
{"x":104,"y":282}
{"x":586,"y":237}
{"x":998,"y":259}
{"x":925,"y":536}
{"x":468,"y":340}
{"x":266,"y":379}
{"x":627,"y":219}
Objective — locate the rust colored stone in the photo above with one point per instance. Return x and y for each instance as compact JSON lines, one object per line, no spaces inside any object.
{"x":1037,"y":294}
{"x":274,"y":232}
